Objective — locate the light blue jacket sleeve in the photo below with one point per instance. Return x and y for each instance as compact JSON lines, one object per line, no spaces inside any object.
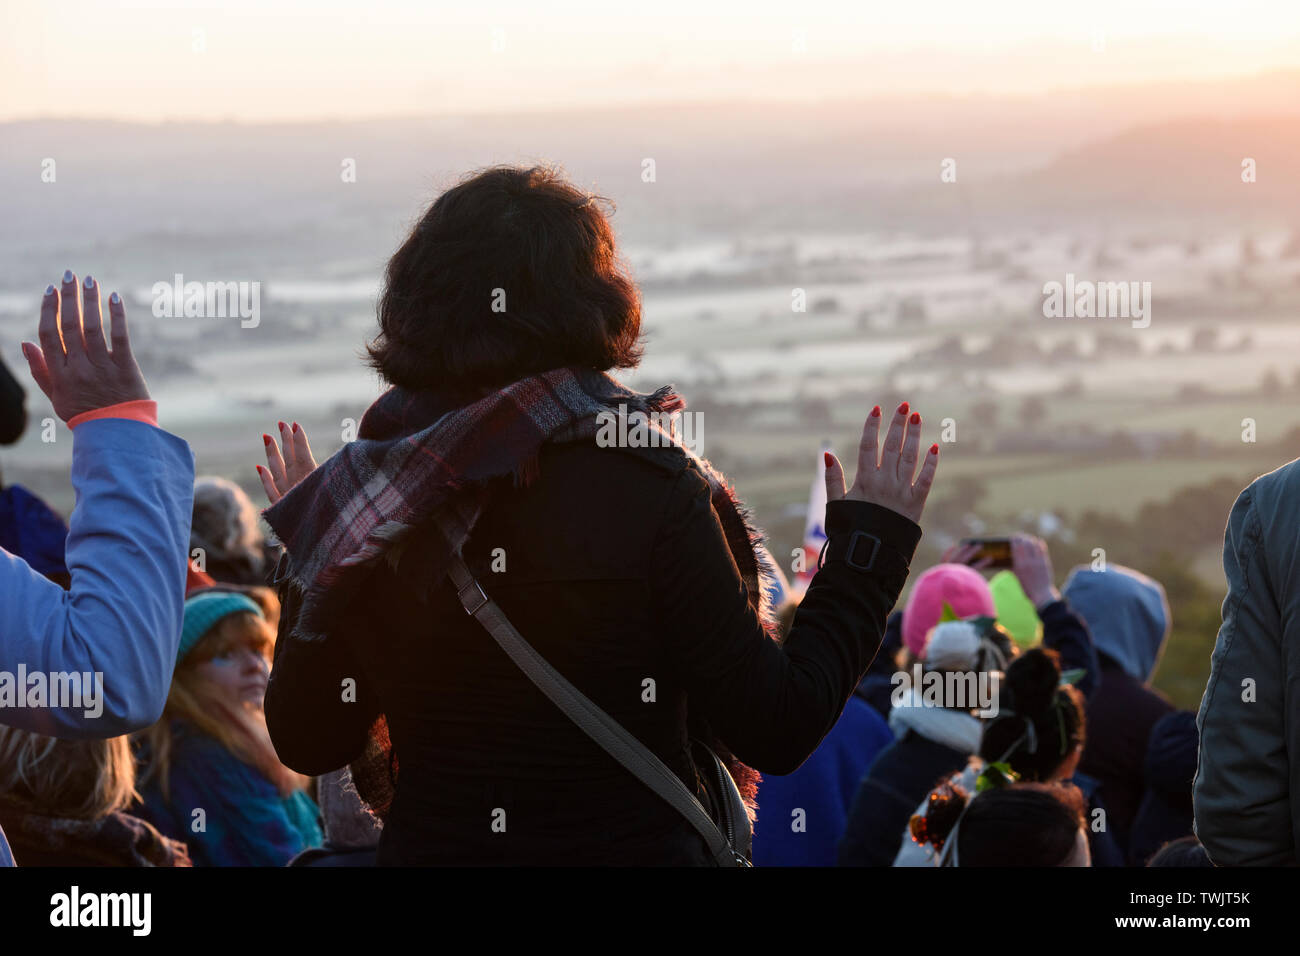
{"x":128,"y":543}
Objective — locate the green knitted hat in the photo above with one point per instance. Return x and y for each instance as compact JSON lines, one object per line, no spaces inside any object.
{"x":202,"y":612}
{"x":1016,"y":612}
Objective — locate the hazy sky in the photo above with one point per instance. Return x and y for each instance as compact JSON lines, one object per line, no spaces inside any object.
{"x":279,"y":59}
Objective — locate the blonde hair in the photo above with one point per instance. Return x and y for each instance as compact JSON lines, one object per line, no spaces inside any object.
{"x":78,"y":779}
{"x":238,"y":726}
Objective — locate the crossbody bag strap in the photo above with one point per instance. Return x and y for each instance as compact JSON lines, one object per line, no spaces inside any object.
{"x":591,"y":720}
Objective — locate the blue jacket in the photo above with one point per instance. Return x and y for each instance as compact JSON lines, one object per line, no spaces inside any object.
{"x":127,"y":546}
{"x":245,"y":821}
{"x":29,"y":529}
{"x":823,"y":787}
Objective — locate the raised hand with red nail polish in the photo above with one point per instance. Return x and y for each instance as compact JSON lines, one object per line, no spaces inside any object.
{"x":888,"y":477}
{"x":282,"y":472}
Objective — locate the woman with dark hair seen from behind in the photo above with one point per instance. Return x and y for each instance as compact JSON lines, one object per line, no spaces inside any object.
{"x":623,"y":559}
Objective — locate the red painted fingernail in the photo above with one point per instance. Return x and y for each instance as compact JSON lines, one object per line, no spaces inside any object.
{"x":828,"y":458}
{"x":934,"y":449}
{"x":875,"y":412}
{"x":295,"y":428}
{"x":916,"y":418}
{"x":259,"y":469}
{"x":283,"y":426}
{"x":266,"y":438}
{"x":902,"y":409}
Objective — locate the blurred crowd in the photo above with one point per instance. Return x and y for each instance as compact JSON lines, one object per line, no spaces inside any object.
{"x":481,"y":634}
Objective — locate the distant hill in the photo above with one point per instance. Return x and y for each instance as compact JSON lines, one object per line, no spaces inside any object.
{"x":731,"y":168}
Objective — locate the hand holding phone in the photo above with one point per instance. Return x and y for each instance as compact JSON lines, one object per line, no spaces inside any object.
{"x":981,"y":553}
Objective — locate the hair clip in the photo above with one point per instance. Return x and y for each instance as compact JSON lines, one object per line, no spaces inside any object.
{"x":996,"y":776}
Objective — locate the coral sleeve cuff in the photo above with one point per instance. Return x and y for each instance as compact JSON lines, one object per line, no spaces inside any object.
{"x":138,"y":410}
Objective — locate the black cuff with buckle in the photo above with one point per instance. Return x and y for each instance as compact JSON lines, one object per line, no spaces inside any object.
{"x":868,"y":538}
{"x":858,"y":550}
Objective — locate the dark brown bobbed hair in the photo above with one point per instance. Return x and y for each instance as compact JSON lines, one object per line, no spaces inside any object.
{"x":549,"y":250}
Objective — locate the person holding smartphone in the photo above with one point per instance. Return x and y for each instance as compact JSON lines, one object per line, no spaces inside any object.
{"x":1029,"y":559}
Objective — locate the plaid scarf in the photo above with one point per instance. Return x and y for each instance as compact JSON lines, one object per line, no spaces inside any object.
{"x":422,"y":463}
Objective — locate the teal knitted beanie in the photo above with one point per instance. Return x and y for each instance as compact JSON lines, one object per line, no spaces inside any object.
{"x":204,"y":610}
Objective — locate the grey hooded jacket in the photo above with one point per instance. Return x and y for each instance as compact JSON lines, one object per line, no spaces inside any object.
{"x":1246,"y":795}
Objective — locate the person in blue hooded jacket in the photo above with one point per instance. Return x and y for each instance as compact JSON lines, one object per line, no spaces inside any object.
{"x":1129,"y":619}
{"x":120,"y":619}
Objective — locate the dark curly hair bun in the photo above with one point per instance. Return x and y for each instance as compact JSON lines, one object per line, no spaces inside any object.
{"x":1032,"y":680}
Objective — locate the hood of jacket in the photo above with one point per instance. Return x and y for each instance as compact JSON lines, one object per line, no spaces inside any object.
{"x":1126,"y":612}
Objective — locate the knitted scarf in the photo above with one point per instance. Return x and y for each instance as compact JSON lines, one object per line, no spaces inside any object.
{"x":421,"y":465}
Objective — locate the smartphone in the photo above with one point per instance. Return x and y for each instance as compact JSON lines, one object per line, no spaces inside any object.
{"x":996,"y":550}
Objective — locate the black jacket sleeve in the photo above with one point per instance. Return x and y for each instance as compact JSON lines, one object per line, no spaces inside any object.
{"x":772,"y":704}
{"x":317,"y":722}
{"x":866,"y":840}
{"x":1065,"y":632}
{"x":13,"y":407}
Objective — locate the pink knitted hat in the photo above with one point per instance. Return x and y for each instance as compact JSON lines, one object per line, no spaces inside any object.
{"x":961,"y":588}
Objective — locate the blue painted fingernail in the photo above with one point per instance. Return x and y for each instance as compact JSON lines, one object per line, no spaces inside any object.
{"x":115,"y":298}
{"x":49,"y":290}
{"x":67,"y":275}
{"x":90,"y":282}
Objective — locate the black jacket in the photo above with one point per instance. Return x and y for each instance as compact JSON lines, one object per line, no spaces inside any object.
{"x":1165,"y":812}
{"x":1121,"y":715}
{"x":889,"y":794}
{"x":616,"y":571}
